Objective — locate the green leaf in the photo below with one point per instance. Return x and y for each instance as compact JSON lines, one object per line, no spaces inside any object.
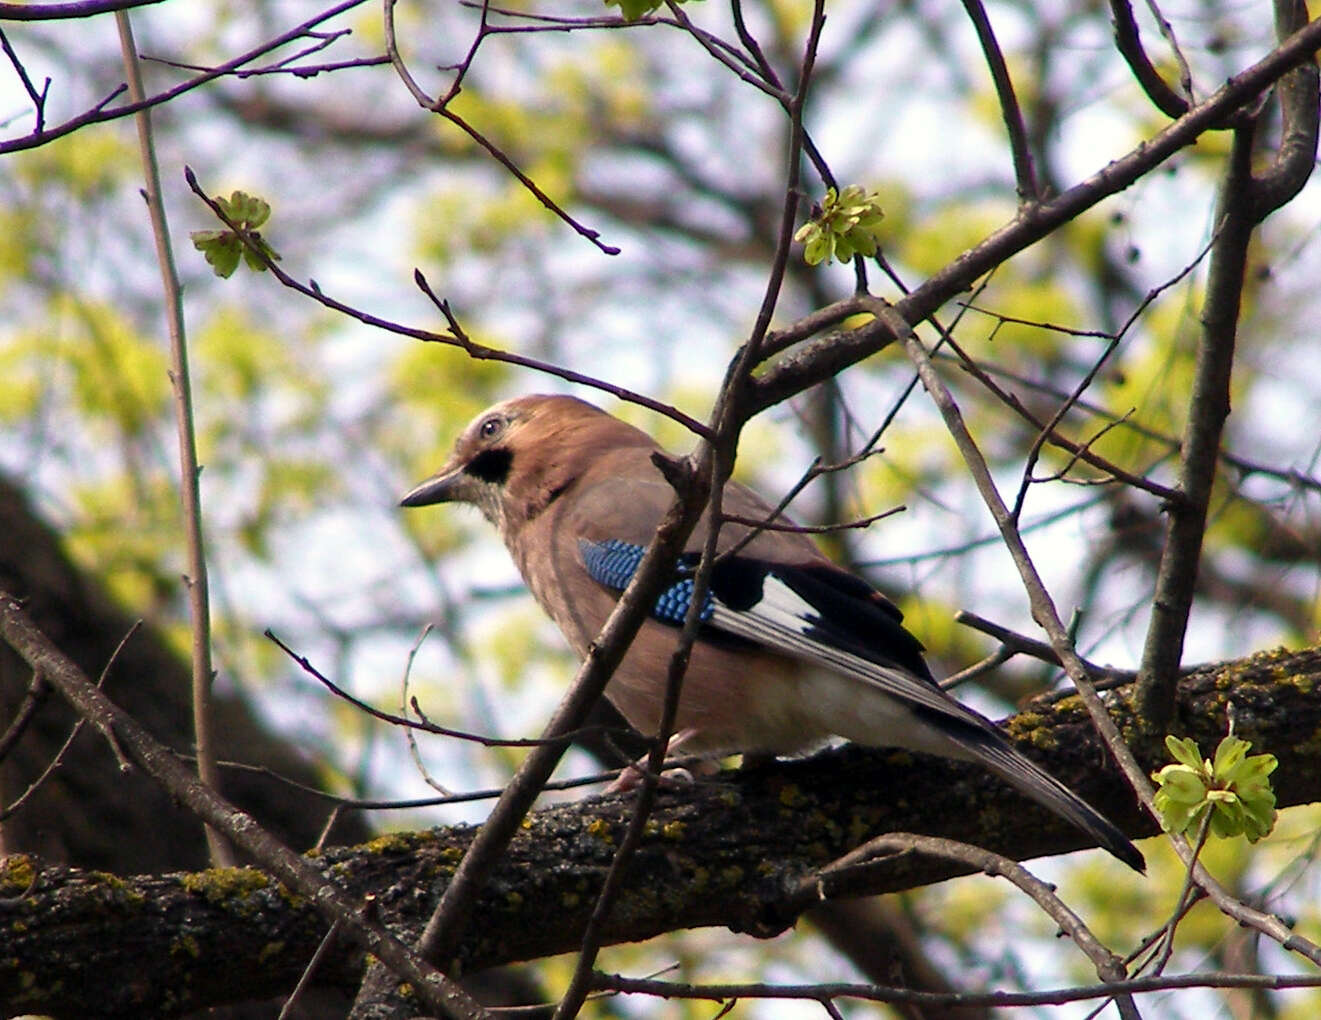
{"x":634,"y":9}
{"x":1229,"y":755}
{"x":846,"y":224}
{"x":1184,"y":750}
{"x":248,"y":211}
{"x":223,"y":248}
{"x":1234,"y":787}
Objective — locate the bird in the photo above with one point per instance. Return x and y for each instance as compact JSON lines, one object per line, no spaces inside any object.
{"x":793,"y":650}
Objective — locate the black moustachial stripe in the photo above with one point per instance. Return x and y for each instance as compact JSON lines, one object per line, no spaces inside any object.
{"x":491,"y":465}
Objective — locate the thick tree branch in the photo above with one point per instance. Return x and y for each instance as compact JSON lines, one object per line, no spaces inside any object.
{"x":830,"y":354}
{"x":729,"y":852}
{"x":137,"y":746}
{"x":1245,"y":200}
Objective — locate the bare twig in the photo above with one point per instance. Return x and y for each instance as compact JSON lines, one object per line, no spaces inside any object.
{"x":441,"y":106}
{"x":421,"y":723}
{"x":33,"y":698}
{"x":199,"y":605}
{"x":823,"y":993}
{"x":1015,"y":643}
{"x":98,"y":113}
{"x":1167,"y":32}
{"x":811,"y":529}
{"x":823,"y":885}
{"x":1129,"y":44}
{"x":1024,"y":173}
{"x":38,"y":98}
{"x":305,"y":979}
{"x":827,"y":356}
{"x":413,"y":751}
{"x":73,"y":9}
{"x":1244,"y":202}
{"x":342,"y":803}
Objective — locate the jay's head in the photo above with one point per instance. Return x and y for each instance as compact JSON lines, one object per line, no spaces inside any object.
{"x":517,"y":457}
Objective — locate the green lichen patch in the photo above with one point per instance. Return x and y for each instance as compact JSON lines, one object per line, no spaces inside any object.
{"x":17,"y":874}
{"x":225,"y":885}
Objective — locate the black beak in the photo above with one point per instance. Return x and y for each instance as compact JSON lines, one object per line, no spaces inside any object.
{"x":436,"y":489}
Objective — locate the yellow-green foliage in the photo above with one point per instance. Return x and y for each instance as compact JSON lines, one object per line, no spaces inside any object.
{"x":513,"y":643}
{"x":435,"y":391}
{"x":17,"y":243}
{"x":916,"y":457}
{"x":935,"y":239}
{"x":115,"y":376}
{"x":88,"y":165}
{"x":128,"y":533}
{"x":546,"y":129}
{"x":439,"y":389}
{"x":959,"y":910}
{"x":21,"y":368}
{"x":1024,"y":344}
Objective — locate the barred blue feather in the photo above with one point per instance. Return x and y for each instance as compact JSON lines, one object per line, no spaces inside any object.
{"x":613,"y":563}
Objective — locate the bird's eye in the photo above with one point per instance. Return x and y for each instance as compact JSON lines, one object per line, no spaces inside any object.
{"x":491,"y":427}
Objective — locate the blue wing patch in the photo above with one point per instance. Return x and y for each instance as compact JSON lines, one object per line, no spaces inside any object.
{"x":612,"y":563}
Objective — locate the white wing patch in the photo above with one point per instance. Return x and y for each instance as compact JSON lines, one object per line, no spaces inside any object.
{"x":783,"y":621}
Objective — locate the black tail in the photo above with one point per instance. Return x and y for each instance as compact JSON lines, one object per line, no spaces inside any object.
{"x":1029,"y":778}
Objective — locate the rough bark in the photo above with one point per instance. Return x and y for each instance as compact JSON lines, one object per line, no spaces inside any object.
{"x":728,"y":852}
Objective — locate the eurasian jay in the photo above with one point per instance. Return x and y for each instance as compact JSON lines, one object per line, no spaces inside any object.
{"x":793,"y":649}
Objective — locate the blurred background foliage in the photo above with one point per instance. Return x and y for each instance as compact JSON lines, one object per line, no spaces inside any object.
{"x":312,"y":425}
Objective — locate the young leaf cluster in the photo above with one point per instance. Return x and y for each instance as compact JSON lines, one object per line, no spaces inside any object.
{"x":1235,"y":787}
{"x":847,"y":223}
{"x":223,"y":248}
{"x":634,"y":9}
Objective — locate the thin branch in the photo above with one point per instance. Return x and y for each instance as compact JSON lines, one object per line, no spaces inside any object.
{"x":413,"y":751}
{"x":98,"y":113}
{"x":811,"y":529}
{"x":342,"y":803}
{"x":827,"y":356}
{"x":1024,"y":174}
{"x":441,"y":107}
{"x":1046,"y":430}
{"x":283,"y":65}
{"x":33,"y":698}
{"x":1167,"y":33}
{"x":1014,"y":643}
{"x":835,"y":877}
{"x":305,"y":979}
{"x":199,"y":605}
{"x":1043,"y":606}
{"x":1243,"y":465}
{"x":421,"y":723}
{"x":38,"y":98}
{"x":1047,"y":617}
{"x":56,"y":12}
{"x":457,"y":338}
{"x":826,"y":992}
{"x":1129,"y":44}
{"x":8,"y":810}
